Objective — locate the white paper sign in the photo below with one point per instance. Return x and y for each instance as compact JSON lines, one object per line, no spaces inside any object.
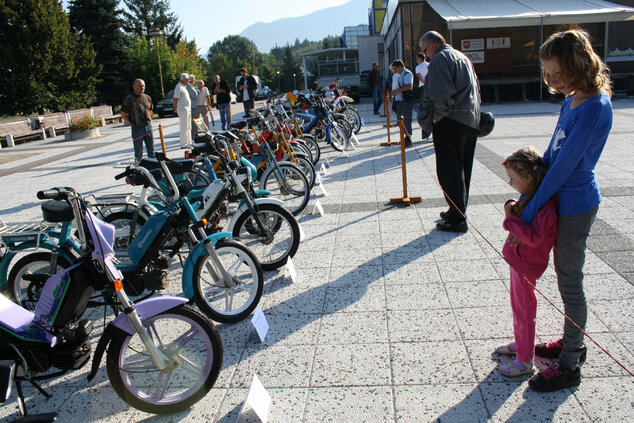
{"x":318,"y":208}
{"x":327,"y":161}
{"x":323,"y":170}
{"x":322,"y":189}
{"x":499,"y":42}
{"x":354,"y":139}
{"x":257,"y":405}
{"x":259,"y":324}
{"x":318,"y":178}
{"x":473,"y":44}
{"x":290,"y":273}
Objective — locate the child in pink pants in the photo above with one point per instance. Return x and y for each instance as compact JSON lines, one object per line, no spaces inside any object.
{"x":527,"y":252}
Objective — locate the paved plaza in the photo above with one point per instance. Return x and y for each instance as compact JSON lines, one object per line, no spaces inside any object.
{"x":389,"y":320}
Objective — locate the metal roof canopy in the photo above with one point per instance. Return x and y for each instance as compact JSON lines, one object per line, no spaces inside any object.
{"x":470,"y":14}
{"x":331,"y":52}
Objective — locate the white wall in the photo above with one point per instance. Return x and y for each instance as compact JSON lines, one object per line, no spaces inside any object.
{"x":368,"y":51}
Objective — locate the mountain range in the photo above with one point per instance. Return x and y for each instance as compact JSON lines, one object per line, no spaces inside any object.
{"x":313,"y":26}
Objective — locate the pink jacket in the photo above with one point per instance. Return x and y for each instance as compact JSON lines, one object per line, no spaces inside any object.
{"x":530,"y":256}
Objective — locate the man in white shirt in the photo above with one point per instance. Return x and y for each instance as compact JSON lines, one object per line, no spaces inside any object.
{"x":421,"y":73}
{"x":204,"y":102}
{"x":182,"y":105}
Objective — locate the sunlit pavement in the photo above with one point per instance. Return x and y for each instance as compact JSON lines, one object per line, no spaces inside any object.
{"x":389,"y":319}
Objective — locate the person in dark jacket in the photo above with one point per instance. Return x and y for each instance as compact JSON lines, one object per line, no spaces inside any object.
{"x":450,"y":108}
{"x":248,"y":86}
{"x":223,"y":98}
{"x":375,"y":82}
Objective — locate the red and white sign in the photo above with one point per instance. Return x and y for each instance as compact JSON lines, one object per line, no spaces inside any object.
{"x":473,"y":44}
{"x":475,"y":56}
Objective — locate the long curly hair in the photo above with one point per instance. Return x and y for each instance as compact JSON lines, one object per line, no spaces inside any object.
{"x":527,"y":161}
{"x":581,"y":68}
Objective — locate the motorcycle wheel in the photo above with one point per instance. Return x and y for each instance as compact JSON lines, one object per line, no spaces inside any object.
{"x":229,"y":304}
{"x":122,"y":221}
{"x":313,"y":147}
{"x":338,"y":138}
{"x":185,"y":336}
{"x":293,"y":189}
{"x":280,"y":240}
{"x":26,"y":293}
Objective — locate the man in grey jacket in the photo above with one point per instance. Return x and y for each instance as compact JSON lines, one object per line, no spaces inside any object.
{"x":450,"y":109}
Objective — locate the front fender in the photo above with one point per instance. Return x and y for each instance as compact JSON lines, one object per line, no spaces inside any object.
{"x":188,"y":269}
{"x":147,"y":308}
{"x":243,"y":208}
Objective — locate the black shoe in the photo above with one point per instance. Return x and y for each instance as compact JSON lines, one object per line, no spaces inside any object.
{"x":555,"y":378}
{"x":376,"y":113}
{"x":444,"y":215}
{"x":408,"y":141}
{"x":447,"y":226}
{"x":553,"y":349}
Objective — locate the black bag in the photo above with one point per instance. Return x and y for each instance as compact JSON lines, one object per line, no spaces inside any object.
{"x":409,"y":96}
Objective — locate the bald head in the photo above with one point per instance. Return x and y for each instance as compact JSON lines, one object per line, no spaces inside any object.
{"x":138,"y":86}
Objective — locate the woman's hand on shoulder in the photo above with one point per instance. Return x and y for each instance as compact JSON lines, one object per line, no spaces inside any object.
{"x":509,"y":207}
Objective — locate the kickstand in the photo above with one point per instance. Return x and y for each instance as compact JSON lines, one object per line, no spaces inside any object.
{"x":33,"y":418}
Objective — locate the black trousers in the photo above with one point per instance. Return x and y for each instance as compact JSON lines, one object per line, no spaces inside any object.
{"x":454,"y":144}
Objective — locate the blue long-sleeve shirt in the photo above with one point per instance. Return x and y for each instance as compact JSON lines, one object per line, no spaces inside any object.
{"x":571,"y":157}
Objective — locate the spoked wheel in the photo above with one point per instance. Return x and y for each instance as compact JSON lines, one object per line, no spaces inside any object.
{"x":27,"y":293}
{"x":289,"y":184}
{"x":280,"y":239}
{"x":343,"y":122}
{"x":218,"y":300}
{"x":190,"y":342}
{"x":338,"y":138}
{"x":353,"y":117}
{"x":305,"y":165}
{"x":124,"y":233}
{"x":312,"y":145}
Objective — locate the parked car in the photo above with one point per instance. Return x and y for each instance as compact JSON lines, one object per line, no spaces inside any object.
{"x":166,"y":106}
{"x":364,"y":87}
{"x":264,"y":93}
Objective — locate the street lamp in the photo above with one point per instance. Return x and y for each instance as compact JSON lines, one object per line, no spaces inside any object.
{"x":294,"y":83}
{"x":157,"y":33}
{"x":278,"y":82}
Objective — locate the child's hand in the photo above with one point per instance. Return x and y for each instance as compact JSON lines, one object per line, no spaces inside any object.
{"x":509,"y":207}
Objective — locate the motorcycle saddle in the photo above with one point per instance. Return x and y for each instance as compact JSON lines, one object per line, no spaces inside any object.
{"x":57,"y":211}
{"x":174,"y":165}
{"x":18,"y":323}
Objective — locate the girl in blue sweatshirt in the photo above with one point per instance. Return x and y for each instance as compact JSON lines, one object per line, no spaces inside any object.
{"x":571,"y":67}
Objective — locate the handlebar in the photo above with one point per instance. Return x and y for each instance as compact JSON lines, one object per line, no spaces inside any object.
{"x":50,"y":194}
{"x":121,"y":175}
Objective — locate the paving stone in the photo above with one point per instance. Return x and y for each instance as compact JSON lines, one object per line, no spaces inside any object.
{"x":435,"y":363}
{"x":352,"y":403}
{"x":421,"y":326}
{"x":349,"y":365}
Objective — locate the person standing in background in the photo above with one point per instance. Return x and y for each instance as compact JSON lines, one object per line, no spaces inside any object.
{"x":137,"y":111}
{"x":204,"y":102}
{"x":375,"y":83}
{"x":450,"y":108}
{"x":248,"y":86}
{"x":222,"y":90}
{"x":403,"y":97}
{"x":420,"y":73}
{"x":193,"y":97}
{"x":182,"y":106}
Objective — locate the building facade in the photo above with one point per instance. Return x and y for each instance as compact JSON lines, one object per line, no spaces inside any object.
{"x":505,"y":49}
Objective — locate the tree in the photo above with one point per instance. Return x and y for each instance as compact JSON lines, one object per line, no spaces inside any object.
{"x":226,"y":57}
{"x":44,"y":64}
{"x":144,"y":65}
{"x":101,"y":21}
{"x":289,"y":67}
{"x":144,"y":16}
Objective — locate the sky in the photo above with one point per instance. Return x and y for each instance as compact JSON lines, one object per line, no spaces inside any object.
{"x":208,"y":21}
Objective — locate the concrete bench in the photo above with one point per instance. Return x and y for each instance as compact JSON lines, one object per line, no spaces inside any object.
{"x":54,"y":123}
{"x":105,"y":115}
{"x":16,"y":129}
{"x":74,"y":115}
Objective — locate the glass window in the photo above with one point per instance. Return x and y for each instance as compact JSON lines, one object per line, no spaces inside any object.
{"x":405,"y":14}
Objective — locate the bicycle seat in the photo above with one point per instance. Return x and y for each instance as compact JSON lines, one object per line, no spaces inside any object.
{"x":204,"y":148}
{"x":174,"y":165}
{"x":55,"y":211}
